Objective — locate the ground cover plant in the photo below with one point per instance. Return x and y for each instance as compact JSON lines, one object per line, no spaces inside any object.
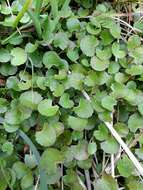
{"x":71,"y":95}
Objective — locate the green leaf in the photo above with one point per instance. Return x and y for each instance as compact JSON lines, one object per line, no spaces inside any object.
{"x":47,"y":136}
{"x":135,"y":184}
{"x":121,"y":77}
{"x":7,"y":147}
{"x":85,"y":164}
{"x":108,"y":102}
{"x":3,"y":182}
{"x":73,"y":24}
{"x":65,"y":101}
{"x":139,"y":152}
{"x":115,"y":30}
{"x":30,"y":160}
{"x":113,"y":67}
{"x":45,"y":108}
{"x":19,"y":56}
{"x":75,"y":80}
{"x":51,"y":59}
{"x":61,"y":40}
{"x":20,"y":169}
{"x":27,"y":181}
{"x":88,"y":45}
{"x":71,"y":180}
{"x":77,"y":135}
{"x":73,"y":54}
{"x":12,"y":83}
{"x":30,"y":99}
{"x":135,"y":122}
{"x":133,"y":41}
{"x":54,"y":178}
{"x":10,"y":128}
{"x":76,"y":123}
{"x":125,"y":166}
{"x":140,"y":108}
{"x":95,"y":77}
{"x":122,"y":129}
{"x":92,"y":148}
{"x":15,"y":117}
{"x":59,"y":90}
{"x":98,"y":64}
{"x":105,"y":116}
{"x":7,"y":69}
{"x":106,"y":37}
{"x":3,"y":105}
{"x":102,"y":133}
{"x":84,"y":109}
{"x":104,"y":54}
{"x":30,"y":48}
{"x":136,"y":53}
{"x":117,"y":52}
{"x":107,"y":182}
{"x":80,"y":151}
{"x":4,"y":55}
{"x":50,"y":158}
{"x":135,"y":70}
{"x":110,"y":146}
{"x":93,"y":29}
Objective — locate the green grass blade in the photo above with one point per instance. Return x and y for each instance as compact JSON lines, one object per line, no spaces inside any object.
{"x":54,"y":8}
{"x":38,"y":6}
{"x":65,"y":5}
{"x":22,"y":12}
{"x":36,"y":22}
{"x":43,"y":185}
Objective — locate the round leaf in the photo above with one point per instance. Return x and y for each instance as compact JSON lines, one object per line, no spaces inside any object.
{"x":76,"y":123}
{"x":4,"y":55}
{"x":108,"y":102}
{"x":88,"y":44}
{"x":19,"y":56}
{"x":135,"y":122}
{"x":110,"y":146}
{"x":92,"y":148}
{"x":98,"y":64}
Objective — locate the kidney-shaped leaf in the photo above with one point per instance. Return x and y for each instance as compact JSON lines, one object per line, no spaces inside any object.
{"x":108,"y":102}
{"x":65,"y":101}
{"x":110,"y":146}
{"x":135,"y":122}
{"x":107,"y":182}
{"x":49,"y":160}
{"x":98,"y":64}
{"x":45,"y":108}
{"x":125,"y":166}
{"x":51,"y":59}
{"x":47,"y":136}
{"x":30,"y":99}
{"x":84,"y":109}
{"x":76,"y":123}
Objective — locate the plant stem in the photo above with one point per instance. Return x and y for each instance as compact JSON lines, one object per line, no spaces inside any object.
{"x":88,"y":181}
